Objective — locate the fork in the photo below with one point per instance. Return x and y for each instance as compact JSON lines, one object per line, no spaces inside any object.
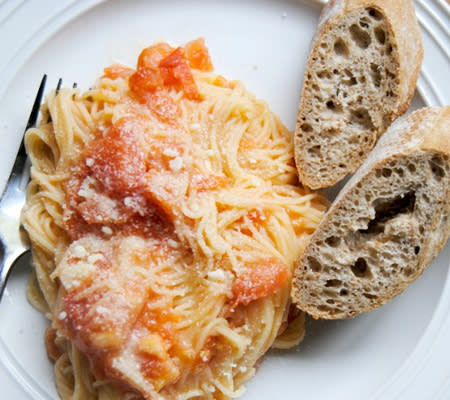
{"x":12,"y":243}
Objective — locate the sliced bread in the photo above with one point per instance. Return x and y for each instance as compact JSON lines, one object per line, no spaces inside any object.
{"x":361,"y":75}
{"x":386,"y":225}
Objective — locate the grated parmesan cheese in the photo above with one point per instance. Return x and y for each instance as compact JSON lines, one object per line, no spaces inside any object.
{"x":102,"y":310}
{"x":172,"y":243}
{"x":170,"y":152}
{"x":107,"y":230}
{"x":93,"y":258}
{"x":72,"y":274}
{"x":176,"y":164}
{"x":62,"y":315}
{"x":79,"y":251}
{"x":217,"y":275}
{"x":129,"y":202}
{"x":89,"y":162}
{"x":195,"y":127}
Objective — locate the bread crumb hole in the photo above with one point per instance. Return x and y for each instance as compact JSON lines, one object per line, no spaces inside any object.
{"x":323,"y":74}
{"x":333,"y":241}
{"x":360,"y":268}
{"x":362,"y":117}
{"x":437,"y":171}
{"x":330,"y":301}
{"x":351,"y":78}
{"x":408,"y":271}
{"x":314,"y":151}
{"x":333,"y":283}
{"x":387,"y":209}
{"x":364,"y":22}
{"x":314,"y":265}
{"x":306,"y":128}
{"x":380,"y":35}
{"x":417,"y":250}
{"x":390,"y":74}
{"x":340,"y":48}
{"x":343,"y":292}
{"x":370,"y":296}
{"x":411,"y":168}
{"x":374,"y":14}
{"x":438,"y":160}
{"x":375,"y":74}
{"x":400,"y":172}
{"x":386,"y":172}
{"x":360,"y":36}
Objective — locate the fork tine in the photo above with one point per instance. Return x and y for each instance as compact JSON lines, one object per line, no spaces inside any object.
{"x":34,"y":114}
{"x":37,"y":104}
{"x":58,"y":86}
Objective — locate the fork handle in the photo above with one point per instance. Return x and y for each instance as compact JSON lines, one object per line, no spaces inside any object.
{"x":6,"y":264}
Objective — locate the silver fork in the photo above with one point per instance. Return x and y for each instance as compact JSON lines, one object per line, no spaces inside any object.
{"x":12,"y":242}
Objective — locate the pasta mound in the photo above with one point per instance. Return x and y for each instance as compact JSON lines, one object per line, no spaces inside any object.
{"x":165,"y":217}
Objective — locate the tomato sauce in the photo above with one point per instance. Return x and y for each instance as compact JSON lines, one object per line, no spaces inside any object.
{"x":109,"y":188}
{"x":126,"y":183}
{"x":117,"y":70}
{"x":259,"y":280}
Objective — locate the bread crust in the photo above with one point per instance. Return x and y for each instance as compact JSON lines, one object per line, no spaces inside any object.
{"x":424,"y":131}
{"x":405,"y":31}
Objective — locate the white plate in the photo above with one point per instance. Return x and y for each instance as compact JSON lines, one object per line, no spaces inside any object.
{"x":400,"y":351}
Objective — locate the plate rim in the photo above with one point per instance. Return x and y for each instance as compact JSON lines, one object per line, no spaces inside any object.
{"x":425,"y":352}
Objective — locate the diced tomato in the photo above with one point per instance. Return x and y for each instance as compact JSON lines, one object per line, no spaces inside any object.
{"x":161,"y":373}
{"x":116,"y":70}
{"x":163,"y":106}
{"x":118,"y":162}
{"x":260,"y":280}
{"x":151,"y":56}
{"x":209,"y":182}
{"x":161,"y":67}
{"x":176,"y":73}
{"x":198,"y":55}
{"x":152,"y":367}
{"x":145,"y":81}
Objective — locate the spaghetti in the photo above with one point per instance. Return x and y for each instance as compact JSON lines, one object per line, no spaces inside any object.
{"x":165,"y":218}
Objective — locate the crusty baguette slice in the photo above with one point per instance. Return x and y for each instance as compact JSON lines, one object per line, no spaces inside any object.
{"x":361,"y":75}
{"x":385,"y":226}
